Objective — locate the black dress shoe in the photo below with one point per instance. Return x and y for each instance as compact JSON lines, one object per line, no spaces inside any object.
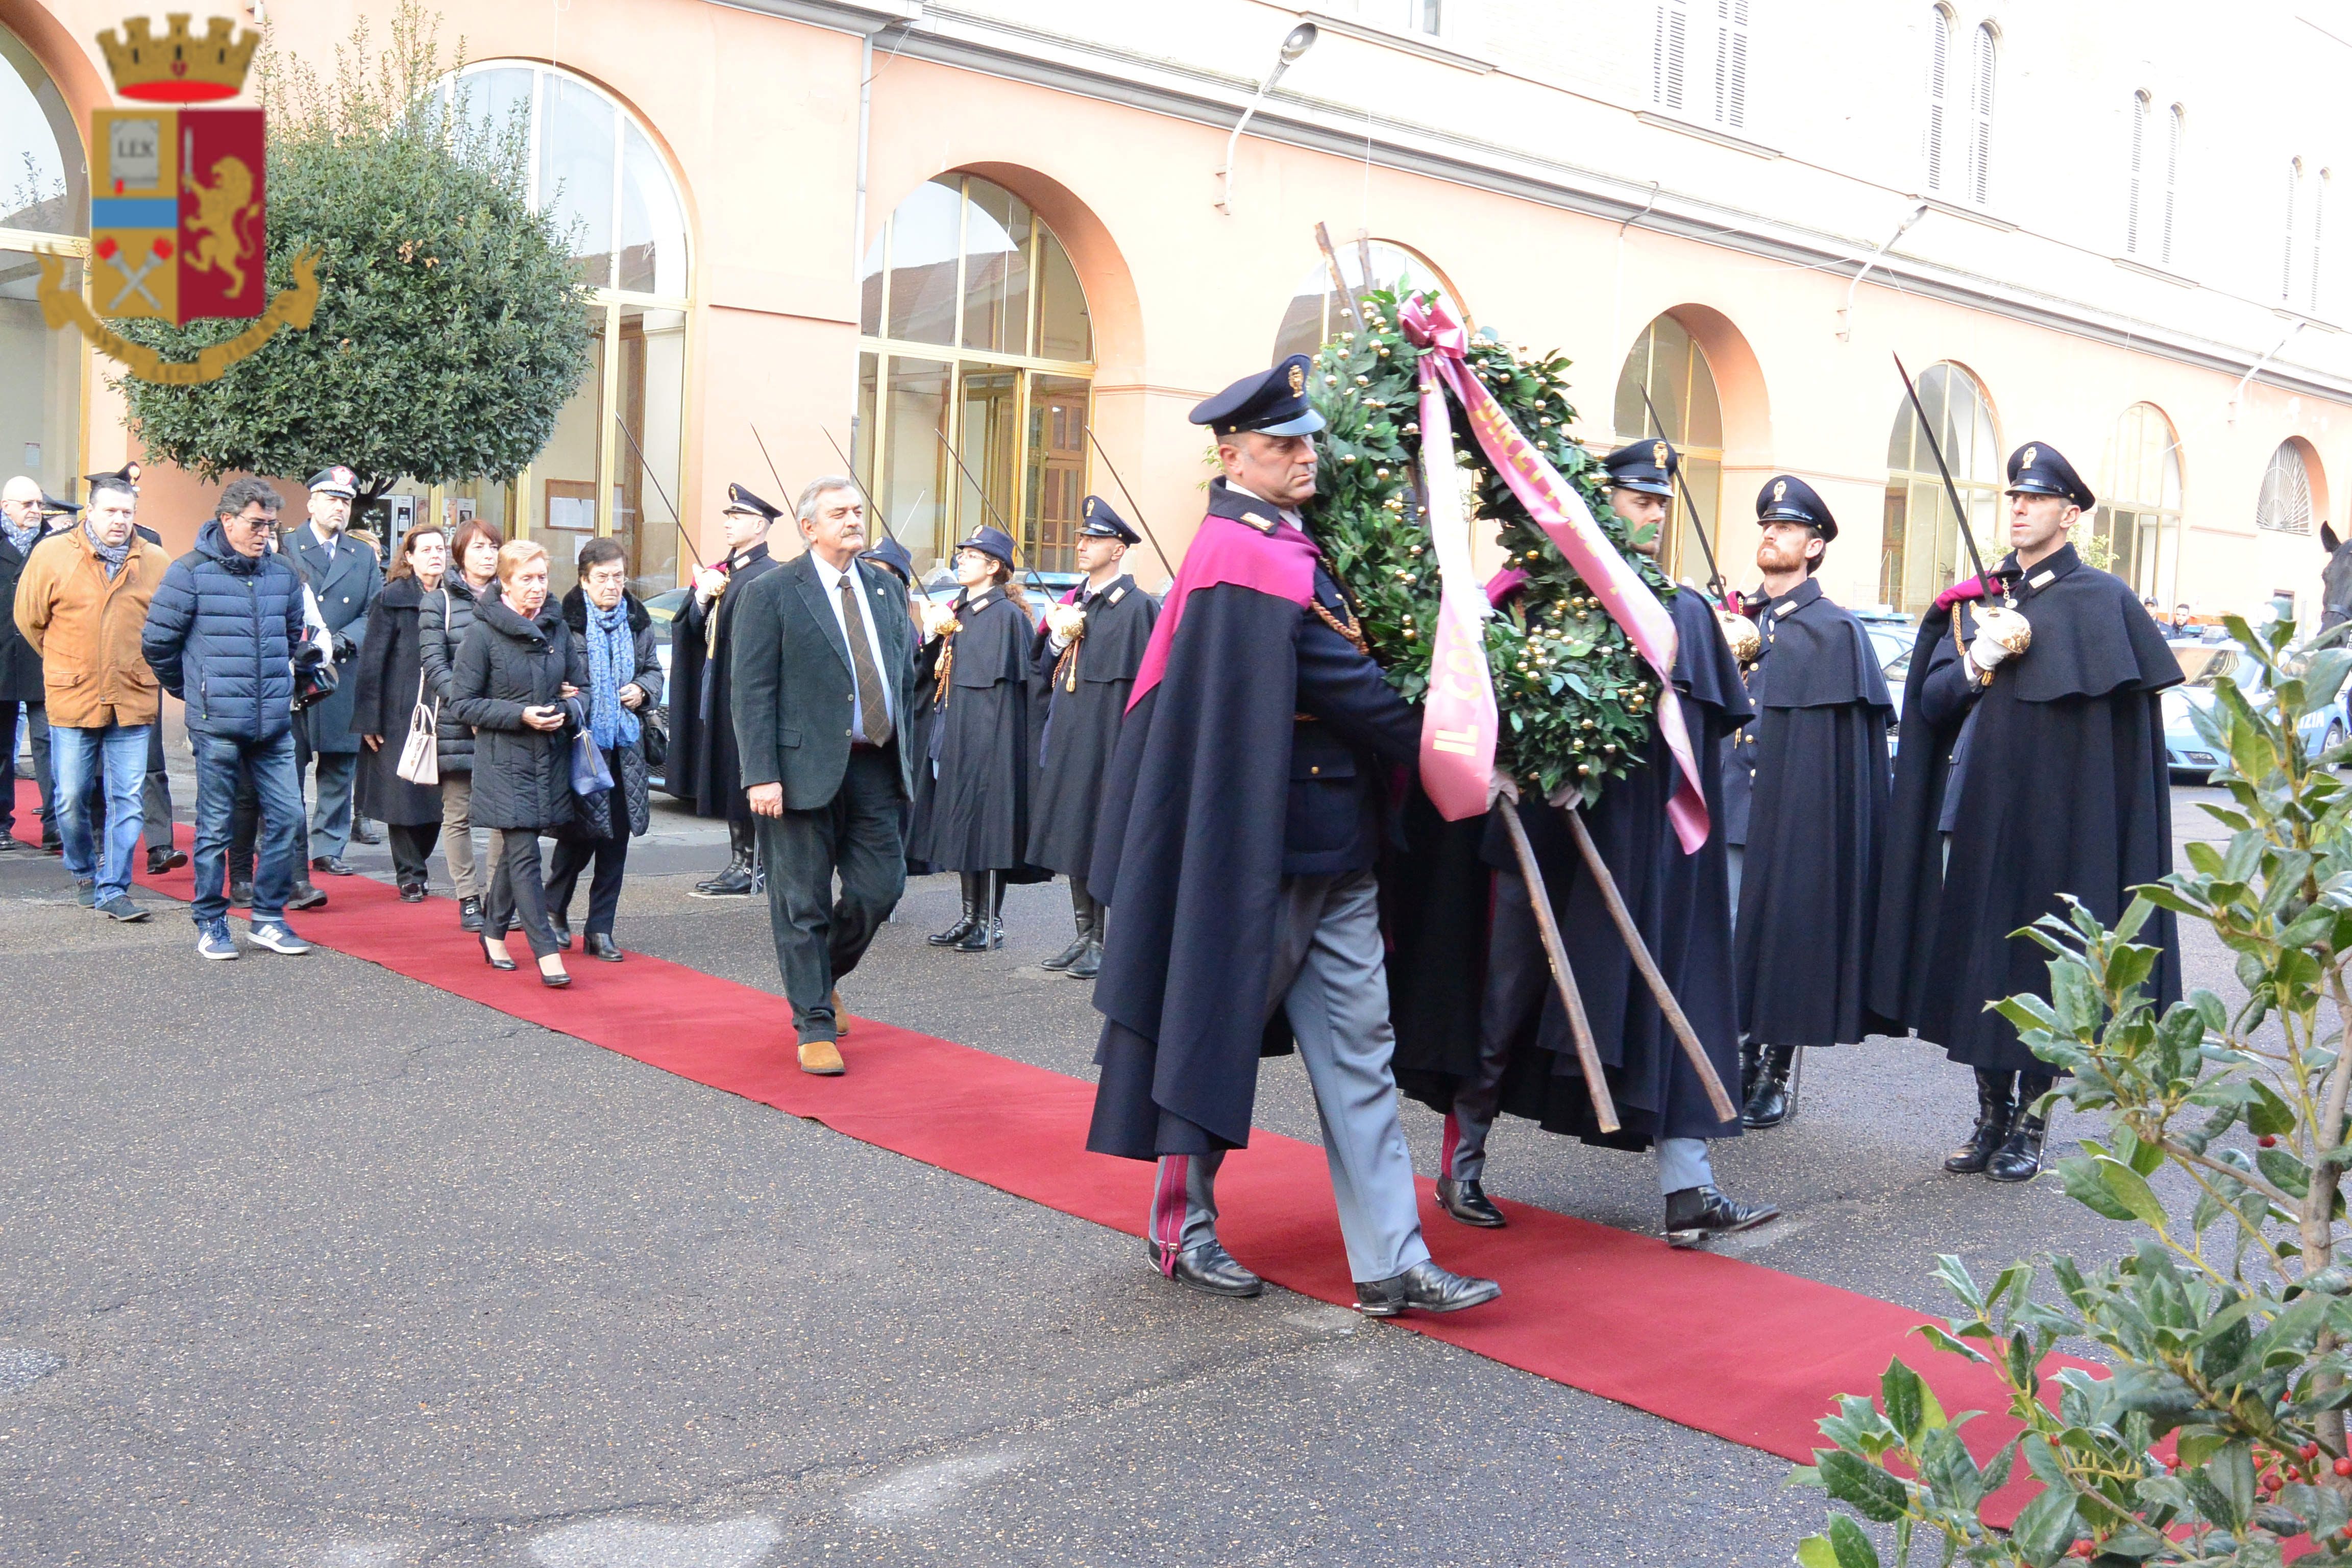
{"x":562,"y":933}
{"x":162,"y":860}
{"x":241,"y":894}
{"x":2019,"y":1158}
{"x":469,"y":914}
{"x":735,"y":882}
{"x":1209,"y":1267}
{"x":1423,"y":1288}
{"x":333,"y":864}
{"x":1088,"y":964}
{"x":600,"y":944}
{"x":492,"y":959}
{"x":1068,"y":956}
{"x":307,"y":896}
{"x":364,"y":834}
{"x":555,"y":982}
{"x":1468,"y":1202}
{"x":10,"y":844}
{"x":1768,"y":1101}
{"x":1696,"y":1213}
{"x":412,"y":892}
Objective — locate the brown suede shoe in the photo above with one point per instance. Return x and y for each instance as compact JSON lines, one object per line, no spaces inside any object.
{"x":823,"y":1058}
{"x":840,"y":1024}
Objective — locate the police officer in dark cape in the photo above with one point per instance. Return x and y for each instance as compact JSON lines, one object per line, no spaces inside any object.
{"x":2031,"y":766}
{"x":972,"y":787}
{"x":704,"y":770}
{"x":1819,"y":777}
{"x":1235,"y":849}
{"x":1086,"y":656}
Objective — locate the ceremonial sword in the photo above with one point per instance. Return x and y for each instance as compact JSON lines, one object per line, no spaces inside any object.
{"x":1165,"y":564}
{"x":1010,"y":532}
{"x":1951,"y":491}
{"x":684,"y":537}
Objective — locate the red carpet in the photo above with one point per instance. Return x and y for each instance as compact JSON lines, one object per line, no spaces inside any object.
{"x":1743,"y":1351}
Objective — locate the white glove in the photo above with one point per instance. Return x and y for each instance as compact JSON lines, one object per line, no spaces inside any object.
{"x":706,"y":584}
{"x":937,"y":617}
{"x":1067,"y":622}
{"x":2001,"y":635}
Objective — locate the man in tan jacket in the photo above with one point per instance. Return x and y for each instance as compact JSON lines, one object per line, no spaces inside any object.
{"x":81,"y":603}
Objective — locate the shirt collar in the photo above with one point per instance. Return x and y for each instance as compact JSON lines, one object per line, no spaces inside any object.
{"x":1796,"y":598}
{"x":2059,"y":563}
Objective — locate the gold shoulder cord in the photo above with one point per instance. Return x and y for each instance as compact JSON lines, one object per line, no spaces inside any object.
{"x":1350,"y":629}
{"x":1065,"y":670}
{"x":947,"y":667}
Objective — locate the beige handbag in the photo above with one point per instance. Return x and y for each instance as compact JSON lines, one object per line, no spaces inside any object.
{"x":420,"y":755}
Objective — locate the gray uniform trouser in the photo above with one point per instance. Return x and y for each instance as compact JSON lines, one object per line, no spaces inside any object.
{"x":1516,"y":973}
{"x":1329,"y":977}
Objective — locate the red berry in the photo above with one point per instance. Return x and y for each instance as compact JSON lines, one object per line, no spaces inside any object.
{"x":2309,"y":1451}
{"x":2344,"y":1467}
{"x":2267,"y":1141}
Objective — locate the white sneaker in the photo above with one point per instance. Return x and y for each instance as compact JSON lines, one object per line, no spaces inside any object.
{"x":214,"y":940}
{"x":278,"y":939}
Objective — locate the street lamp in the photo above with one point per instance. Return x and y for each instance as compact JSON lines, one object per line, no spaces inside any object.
{"x":1845,"y":311}
{"x":1299,"y":39}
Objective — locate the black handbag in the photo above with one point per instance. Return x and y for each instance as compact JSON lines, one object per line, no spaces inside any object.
{"x":652,"y":735}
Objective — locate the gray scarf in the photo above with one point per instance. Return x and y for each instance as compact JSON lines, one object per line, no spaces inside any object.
{"x":22,"y":538}
{"x":113,"y":557}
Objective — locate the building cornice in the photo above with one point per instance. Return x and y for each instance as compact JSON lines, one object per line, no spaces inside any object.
{"x":994,"y":46}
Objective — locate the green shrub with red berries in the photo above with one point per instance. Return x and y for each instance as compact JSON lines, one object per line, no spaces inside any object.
{"x":2219,"y":1435}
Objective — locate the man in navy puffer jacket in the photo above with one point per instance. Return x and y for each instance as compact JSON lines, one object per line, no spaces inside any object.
{"x":221,"y":636}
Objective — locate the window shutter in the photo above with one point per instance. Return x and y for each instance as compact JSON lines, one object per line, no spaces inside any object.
{"x":1939,"y":70}
{"x":1731,"y":63}
{"x":2171,"y":178}
{"x":1981,"y":137}
{"x":2133,"y":182}
{"x":1668,"y":54}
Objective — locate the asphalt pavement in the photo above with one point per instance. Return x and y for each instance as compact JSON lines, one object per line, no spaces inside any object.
{"x":308,"y":1265}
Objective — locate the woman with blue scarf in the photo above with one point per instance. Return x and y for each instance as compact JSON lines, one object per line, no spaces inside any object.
{"x":625,"y":679}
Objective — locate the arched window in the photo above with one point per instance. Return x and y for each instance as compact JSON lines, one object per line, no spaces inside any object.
{"x":2135,"y":176}
{"x":1939,"y":93}
{"x":2284,"y":503}
{"x":1981,"y":82}
{"x":596,"y":166}
{"x":44,"y":206}
{"x":2139,"y":507}
{"x":1319,"y":312}
{"x":1667,"y":362}
{"x":976,"y":345}
{"x":1920,"y":550}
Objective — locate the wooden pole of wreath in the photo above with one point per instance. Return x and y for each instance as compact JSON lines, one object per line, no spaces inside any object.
{"x":1579,"y":1027}
{"x":1724,"y":1109}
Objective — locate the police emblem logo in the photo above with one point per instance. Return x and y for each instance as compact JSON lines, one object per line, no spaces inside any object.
{"x":1091,"y":504}
{"x":1298,"y":380}
{"x":2030,"y":453}
{"x":1779,"y":490}
{"x":1658,"y":454}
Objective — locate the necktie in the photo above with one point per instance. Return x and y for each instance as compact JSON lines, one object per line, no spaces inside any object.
{"x":861,"y":659}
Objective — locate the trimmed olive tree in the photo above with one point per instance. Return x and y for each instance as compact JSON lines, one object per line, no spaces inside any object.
{"x":450,"y":330}
{"x":2219,"y":1436}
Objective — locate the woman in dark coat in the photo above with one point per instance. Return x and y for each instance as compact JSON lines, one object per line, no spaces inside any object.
{"x":617,"y":636}
{"x":442,"y":621}
{"x":971,"y":798}
{"x":517,"y":682}
{"x":391,"y":675}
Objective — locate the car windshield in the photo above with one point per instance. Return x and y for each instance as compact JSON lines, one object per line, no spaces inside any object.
{"x":2205,"y":664}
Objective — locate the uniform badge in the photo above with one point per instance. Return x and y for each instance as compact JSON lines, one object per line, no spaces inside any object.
{"x":2030,"y":453}
{"x":1298,"y":380}
{"x":1784,"y":609}
{"x":1118,"y":592}
{"x":2043,"y":579}
{"x":1780,"y":489}
{"x":1091,"y":504}
{"x":1658,"y":454}
{"x":1263,"y":525}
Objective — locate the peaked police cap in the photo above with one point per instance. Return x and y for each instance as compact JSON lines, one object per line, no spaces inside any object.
{"x":1270,"y":402}
{"x":1785,"y":498}
{"x":740,"y":500}
{"x":1101,"y":522}
{"x":2038,"y":468}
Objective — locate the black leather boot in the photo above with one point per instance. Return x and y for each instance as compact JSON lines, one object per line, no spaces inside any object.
{"x":987,"y":934}
{"x":967,"y":920}
{"x":1696,"y":1213}
{"x":1467,"y":1202}
{"x":735,"y":882}
{"x":1996,"y":1107}
{"x":1750,"y":1061}
{"x":1088,"y":964}
{"x":2019,"y":1159}
{"x":1081,"y":911}
{"x":1768,"y":1101}
{"x":1423,"y":1288}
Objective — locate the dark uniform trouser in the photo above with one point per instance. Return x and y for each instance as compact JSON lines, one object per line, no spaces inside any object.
{"x":819,"y":937}
{"x":1330,"y":978}
{"x":1518,"y":973}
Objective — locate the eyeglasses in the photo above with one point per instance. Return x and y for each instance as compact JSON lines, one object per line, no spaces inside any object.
{"x":612,"y":579}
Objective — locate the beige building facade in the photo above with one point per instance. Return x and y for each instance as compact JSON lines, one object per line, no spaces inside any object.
{"x":993,"y":252}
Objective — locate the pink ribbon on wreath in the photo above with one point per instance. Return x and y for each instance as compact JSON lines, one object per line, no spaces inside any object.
{"x":1457,"y":722}
{"x":1559,"y":511}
